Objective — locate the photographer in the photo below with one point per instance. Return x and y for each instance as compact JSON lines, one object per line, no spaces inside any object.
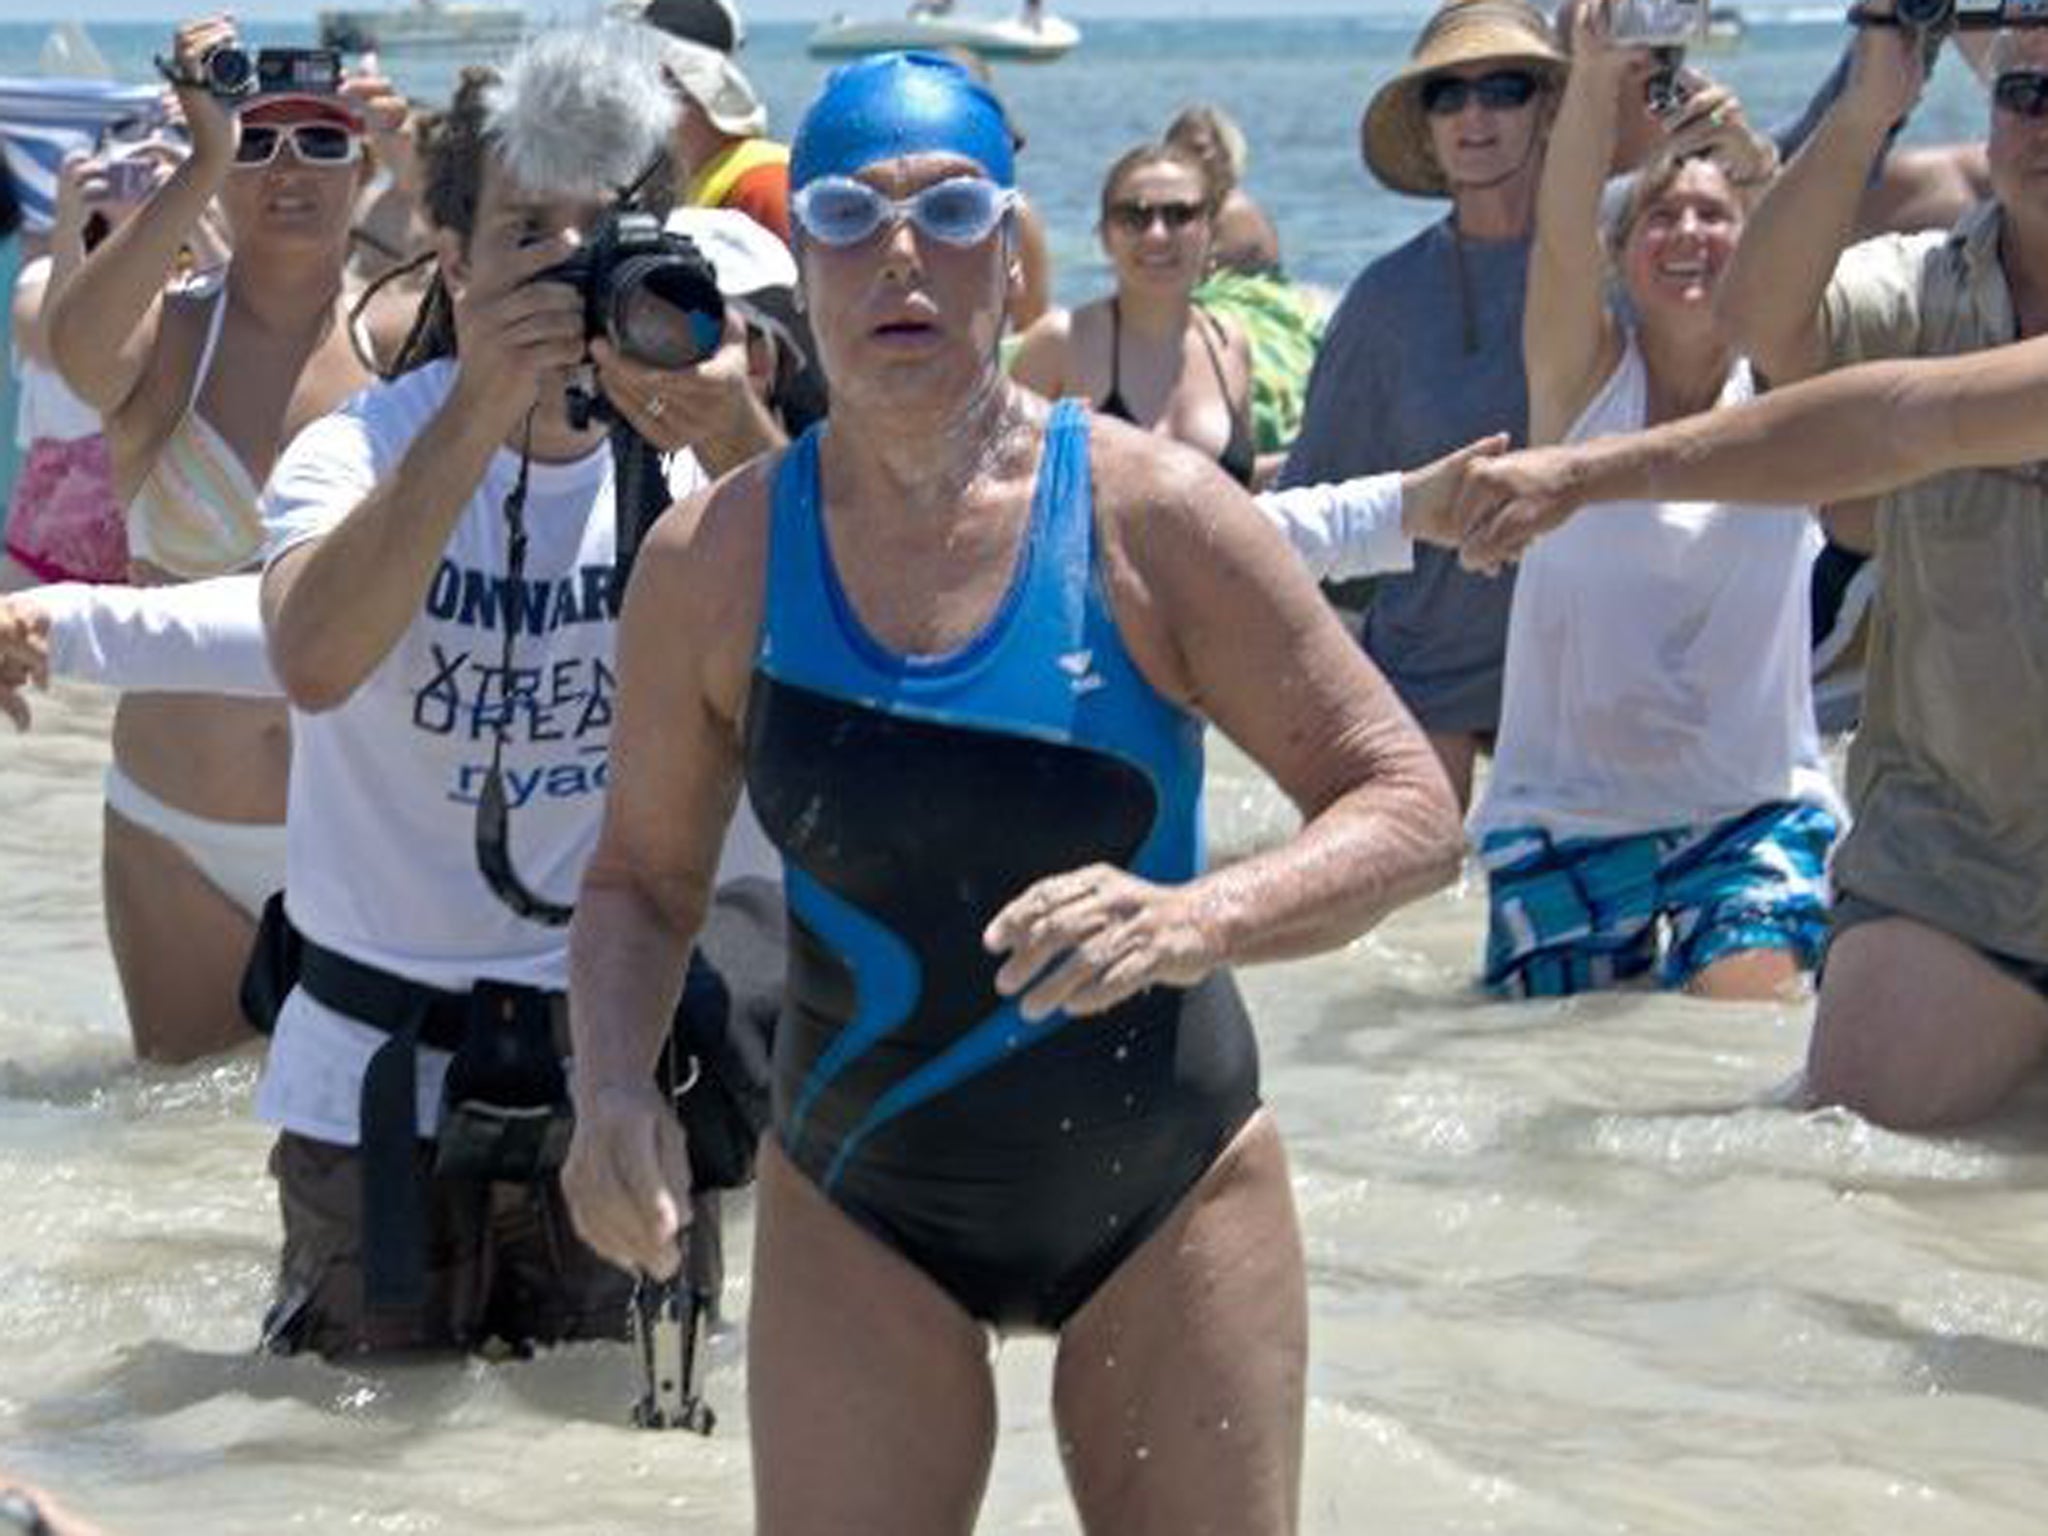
{"x":441,"y":607}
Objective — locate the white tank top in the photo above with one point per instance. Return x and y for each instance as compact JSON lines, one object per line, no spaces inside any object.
{"x":1657,"y":667}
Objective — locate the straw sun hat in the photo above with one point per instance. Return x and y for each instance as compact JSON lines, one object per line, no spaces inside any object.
{"x":1394,"y":134}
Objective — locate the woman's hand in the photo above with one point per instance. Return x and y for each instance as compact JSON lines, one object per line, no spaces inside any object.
{"x":1712,"y":122}
{"x":215,"y":129}
{"x":388,"y":123}
{"x":676,"y":408}
{"x":1593,"y":42}
{"x":1086,"y":940}
{"x":627,"y":1179}
{"x":1432,"y":496}
{"x":1507,"y":502}
{"x":24,"y":654}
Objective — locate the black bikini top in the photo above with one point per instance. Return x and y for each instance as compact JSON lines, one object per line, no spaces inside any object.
{"x":1240,"y":455}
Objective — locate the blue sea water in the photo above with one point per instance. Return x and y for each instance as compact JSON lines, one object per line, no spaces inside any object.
{"x":1297,"y":85}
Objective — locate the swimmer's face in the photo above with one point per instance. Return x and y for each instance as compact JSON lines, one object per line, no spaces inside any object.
{"x":901,"y":312}
{"x":2017,"y":146}
{"x":1156,"y":226}
{"x":1681,"y":242}
{"x":291,"y":199}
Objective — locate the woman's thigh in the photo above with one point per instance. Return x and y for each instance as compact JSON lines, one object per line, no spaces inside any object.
{"x":179,"y":946}
{"x":1180,"y":1385}
{"x":870,"y":1396}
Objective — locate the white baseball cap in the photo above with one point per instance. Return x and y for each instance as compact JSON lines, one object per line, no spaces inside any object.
{"x":746,"y":256}
{"x":714,"y":83}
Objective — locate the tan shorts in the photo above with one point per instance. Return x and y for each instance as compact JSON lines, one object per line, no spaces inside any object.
{"x":504,"y":1265}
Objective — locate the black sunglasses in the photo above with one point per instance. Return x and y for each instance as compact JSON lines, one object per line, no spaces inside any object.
{"x":1136,"y":217}
{"x":2023,"y":91}
{"x":1501,"y":91}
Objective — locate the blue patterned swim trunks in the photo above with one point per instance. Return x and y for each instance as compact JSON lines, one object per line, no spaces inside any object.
{"x":1572,"y":914}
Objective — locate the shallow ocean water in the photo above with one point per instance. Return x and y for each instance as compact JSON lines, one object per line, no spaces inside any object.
{"x":1572,"y":1271}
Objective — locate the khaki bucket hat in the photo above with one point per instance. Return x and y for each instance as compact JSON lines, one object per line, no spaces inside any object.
{"x":1393,"y":133}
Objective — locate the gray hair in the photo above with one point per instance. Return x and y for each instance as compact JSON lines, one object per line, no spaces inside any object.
{"x":581,"y":111}
{"x":2015,"y":48}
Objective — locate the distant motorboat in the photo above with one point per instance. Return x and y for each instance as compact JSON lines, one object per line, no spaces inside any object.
{"x":1725,"y":29}
{"x":1031,"y":36}
{"x":421,"y":25}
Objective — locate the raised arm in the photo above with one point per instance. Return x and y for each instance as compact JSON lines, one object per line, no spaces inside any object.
{"x":1569,"y":340}
{"x":1769,"y":300}
{"x":103,"y":320}
{"x":335,"y":605}
{"x":1852,"y":433}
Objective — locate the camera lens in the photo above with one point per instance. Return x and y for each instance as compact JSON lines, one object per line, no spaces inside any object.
{"x":229,"y":70}
{"x":664,"y":311}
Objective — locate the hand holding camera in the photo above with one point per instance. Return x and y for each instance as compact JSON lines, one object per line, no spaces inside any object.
{"x":200,"y":50}
{"x":1889,"y":67}
{"x":1711,"y":121}
{"x":513,"y":332}
{"x":675,"y":408}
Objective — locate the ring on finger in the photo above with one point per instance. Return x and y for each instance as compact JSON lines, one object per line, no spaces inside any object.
{"x":655,"y":406}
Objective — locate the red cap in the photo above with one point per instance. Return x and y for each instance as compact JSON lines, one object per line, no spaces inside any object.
{"x":282,"y":110}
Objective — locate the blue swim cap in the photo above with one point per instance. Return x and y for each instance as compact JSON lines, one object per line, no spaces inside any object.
{"x":893,"y":104}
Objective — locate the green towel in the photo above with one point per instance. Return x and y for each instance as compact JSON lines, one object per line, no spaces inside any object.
{"x":1284,"y":323}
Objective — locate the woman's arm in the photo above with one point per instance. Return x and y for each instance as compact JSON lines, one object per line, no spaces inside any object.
{"x":103,"y":321}
{"x":30,"y":287}
{"x":1769,"y":300}
{"x":685,"y":645}
{"x":1853,"y":433}
{"x":1218,"y":613}
{"x":1368,"y":525}
{"x":1569,"y":342}
{"x":194,"y":637}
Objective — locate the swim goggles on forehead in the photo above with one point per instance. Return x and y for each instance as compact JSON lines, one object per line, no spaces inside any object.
{"x":961,"y":210}
{"x":313,"y":143}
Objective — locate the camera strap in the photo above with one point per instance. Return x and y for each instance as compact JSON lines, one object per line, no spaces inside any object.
{"x":640,"y":482}
{"x":493,"y":811}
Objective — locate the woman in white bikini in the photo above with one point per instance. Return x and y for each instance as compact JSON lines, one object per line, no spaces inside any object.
{"x":200,"y":385}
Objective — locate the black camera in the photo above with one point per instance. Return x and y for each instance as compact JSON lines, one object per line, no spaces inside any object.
{"x":647,"y":290}
{"x":1933,"y":20}
{"x":232,"y":72}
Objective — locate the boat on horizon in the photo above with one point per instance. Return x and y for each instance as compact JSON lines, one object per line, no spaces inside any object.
{"x":1033,"y":35}
{"x":1725,"y":29}
{"x":421,"y":25}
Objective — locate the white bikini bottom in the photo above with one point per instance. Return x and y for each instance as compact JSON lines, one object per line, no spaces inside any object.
{"x":245,"y":860}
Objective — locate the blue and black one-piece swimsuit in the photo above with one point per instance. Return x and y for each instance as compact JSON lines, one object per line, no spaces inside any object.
{"x":913,"y":797}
